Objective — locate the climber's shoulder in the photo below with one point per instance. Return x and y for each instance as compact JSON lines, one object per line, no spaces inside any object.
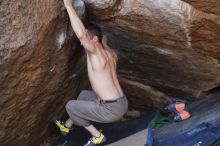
{"x":87,"y":43}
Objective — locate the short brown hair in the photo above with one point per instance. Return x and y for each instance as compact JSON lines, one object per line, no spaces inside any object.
{"x":95,"y":30}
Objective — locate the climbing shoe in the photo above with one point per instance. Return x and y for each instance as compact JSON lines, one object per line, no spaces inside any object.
{"x":96,"y":140}
{"x":184,"y":115}
{"x":176,"y":107}
{"x":177,"y":111}
{"x":63,"y":129}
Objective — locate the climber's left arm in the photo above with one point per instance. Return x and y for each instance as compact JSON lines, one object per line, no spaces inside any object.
{"x":79,"y":28}
{"x":76,"y":23}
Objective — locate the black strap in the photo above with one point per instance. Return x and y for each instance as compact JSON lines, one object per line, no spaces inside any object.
{"x":112,"y":101}
{"x":108,"y":101}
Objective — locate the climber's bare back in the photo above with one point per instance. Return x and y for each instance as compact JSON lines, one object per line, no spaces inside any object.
{"x":102,"y":74}
{"x":100,"y":62}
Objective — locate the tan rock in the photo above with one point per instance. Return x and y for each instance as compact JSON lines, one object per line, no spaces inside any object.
{"x":143,"y":97}
{"x":36,"y":63}
{"x":163,"y":46}
{"x":171,"y":46}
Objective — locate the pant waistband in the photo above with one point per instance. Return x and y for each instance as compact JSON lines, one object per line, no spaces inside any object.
{"x":112,"y":101}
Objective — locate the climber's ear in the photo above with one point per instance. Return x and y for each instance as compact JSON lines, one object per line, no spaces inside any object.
{"x":95,"y":39}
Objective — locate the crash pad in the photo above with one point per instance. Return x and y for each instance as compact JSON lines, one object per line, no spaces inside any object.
{"x":203,"y":111}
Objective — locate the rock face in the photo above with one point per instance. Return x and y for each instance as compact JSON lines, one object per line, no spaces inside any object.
{"x":207,"y":6}
{"x":171,"y":46}
{"x":163,"y":46}
{"x":142,"y":97}
{"x":39,"y":68}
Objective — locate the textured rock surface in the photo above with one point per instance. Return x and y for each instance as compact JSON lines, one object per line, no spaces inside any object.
{"x":208,"y":6}
{"x":165,"y":46}
{"x":172,"y":46}
{"x":143,"y":97}
{"x":38,"y":69}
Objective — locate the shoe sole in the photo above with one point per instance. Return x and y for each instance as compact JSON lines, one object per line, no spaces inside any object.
{"x":104,"y":140}
{"x":63,"y":133}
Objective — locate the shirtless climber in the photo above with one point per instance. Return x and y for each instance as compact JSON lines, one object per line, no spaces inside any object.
{"x":107,"y":102}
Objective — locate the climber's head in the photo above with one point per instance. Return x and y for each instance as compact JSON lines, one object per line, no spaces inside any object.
{"x":96,"y":35}
{"x":95,"y":32}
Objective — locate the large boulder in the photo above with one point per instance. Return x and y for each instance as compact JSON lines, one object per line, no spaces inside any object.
{"x":165,"y":48}
{"x":170,"y":45}
{"x":39,"y":68}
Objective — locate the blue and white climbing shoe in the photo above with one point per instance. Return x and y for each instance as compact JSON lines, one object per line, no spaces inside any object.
{"x":96,"y":140}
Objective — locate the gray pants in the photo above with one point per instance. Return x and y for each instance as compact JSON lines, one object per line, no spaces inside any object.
{"x":88,"y":108}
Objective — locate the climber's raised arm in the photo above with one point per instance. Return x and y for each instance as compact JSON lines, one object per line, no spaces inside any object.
{"x":79,"y":28}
